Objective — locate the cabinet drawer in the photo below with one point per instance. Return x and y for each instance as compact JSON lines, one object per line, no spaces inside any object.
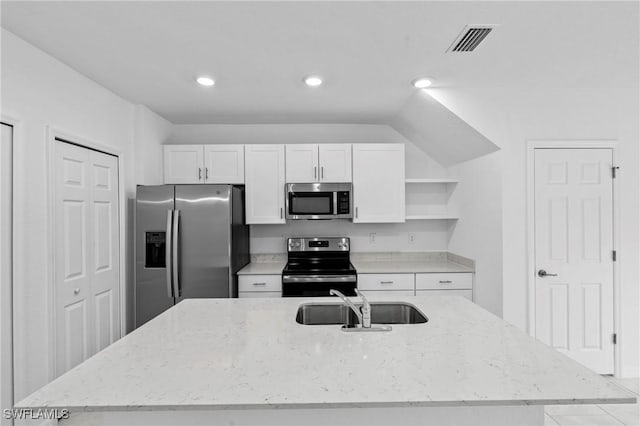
{"x":259,"y":283}
{"x":464,"y":293}
{"x":444,"y":281}
{"x":258,"y":294}
{"x":385,"y":282}
{"x":396,"y":293}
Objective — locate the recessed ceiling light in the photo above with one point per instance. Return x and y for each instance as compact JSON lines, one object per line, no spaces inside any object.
{"x":313,"y":81}
{"x":421,"y":83}
{"x":205,"y":81}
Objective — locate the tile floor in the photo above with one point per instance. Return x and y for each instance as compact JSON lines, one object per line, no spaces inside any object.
{"x":597,"y":415}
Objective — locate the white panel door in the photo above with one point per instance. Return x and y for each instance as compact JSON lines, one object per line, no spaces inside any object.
{"x":183,"y":164}
{"x":105,"y":262}
{"x":573,"y":245}
{"x":6,"y":311}
{"x":86,"y":258}
{"x":378,"y":183}
{"x":264,"y":180}
{"x":335,"y":162}
{"x":302,"y":163}
{"x":224,"y":164}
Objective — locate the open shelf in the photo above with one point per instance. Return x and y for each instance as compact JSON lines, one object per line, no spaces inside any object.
{"x":431,"y":180}
{"x":431,"y":217}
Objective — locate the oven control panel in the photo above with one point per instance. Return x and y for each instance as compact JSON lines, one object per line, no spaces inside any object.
{"x":318,"y":244}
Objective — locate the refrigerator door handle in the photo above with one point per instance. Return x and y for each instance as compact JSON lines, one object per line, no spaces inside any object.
{"x":167,"y":254}
{"x":175,"y":240}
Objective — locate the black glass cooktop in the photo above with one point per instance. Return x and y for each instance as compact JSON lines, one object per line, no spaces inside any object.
{"x":318,"y":266}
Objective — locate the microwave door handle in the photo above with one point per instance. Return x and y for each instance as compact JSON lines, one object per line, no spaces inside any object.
{"x":167,"y":252}
{"x":335,"y":202}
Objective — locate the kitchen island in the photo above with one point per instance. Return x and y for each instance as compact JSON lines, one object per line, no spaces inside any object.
{"x":247,"y":361}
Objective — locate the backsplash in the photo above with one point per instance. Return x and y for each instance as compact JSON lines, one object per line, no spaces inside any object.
{"x":412,"y":236}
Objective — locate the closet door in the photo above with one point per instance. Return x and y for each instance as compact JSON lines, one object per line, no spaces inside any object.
{"x":6,"y":287}
{"x":86,"y":259}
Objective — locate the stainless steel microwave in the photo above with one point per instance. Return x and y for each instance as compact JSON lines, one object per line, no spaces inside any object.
{"x":318,"y":201}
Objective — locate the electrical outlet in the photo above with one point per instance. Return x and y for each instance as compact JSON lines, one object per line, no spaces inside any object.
{"x":412,"y":238}
{"x":372,"y":238}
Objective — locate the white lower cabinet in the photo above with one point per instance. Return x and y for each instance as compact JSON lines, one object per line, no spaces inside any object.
{"x":420,"y":284}
{"x":397,"y":293}
{"x":448,"y":281}
{"x":259,"y":286}
{"x":464,"y":293}
{"x":258,"y":294}
{"x":386,"y":282}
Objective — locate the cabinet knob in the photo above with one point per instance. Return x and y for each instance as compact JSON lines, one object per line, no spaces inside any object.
{"x":76,"y":291}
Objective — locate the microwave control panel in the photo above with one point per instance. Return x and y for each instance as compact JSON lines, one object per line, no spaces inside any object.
{"x":343,"y":202}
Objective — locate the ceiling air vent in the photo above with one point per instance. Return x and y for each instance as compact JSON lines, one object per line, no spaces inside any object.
{"x":470,"y":38}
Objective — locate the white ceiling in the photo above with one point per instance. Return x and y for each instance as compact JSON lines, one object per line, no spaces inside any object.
{"x":367,"y":52}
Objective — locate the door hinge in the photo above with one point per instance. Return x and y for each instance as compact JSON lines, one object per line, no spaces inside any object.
{"x":615,"y":255}
{"x":613,"y":171}
{"x":614,"y":338}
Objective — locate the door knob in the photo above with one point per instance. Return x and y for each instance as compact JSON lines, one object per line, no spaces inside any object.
{"x":542,"y":273}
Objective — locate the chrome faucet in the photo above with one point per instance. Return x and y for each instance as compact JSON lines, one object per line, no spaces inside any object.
{"x":363,"y":314}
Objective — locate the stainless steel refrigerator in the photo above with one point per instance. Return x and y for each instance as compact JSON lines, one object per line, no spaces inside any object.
{"x":190,"y":242}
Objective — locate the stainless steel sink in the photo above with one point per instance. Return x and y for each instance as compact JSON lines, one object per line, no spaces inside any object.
{"x":338,"y":313}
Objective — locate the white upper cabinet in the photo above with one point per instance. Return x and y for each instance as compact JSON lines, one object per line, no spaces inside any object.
{"x":378,"y":183}
{"x":308,"y":163}
{"x":224,"y":164}
{"x":335,"y":162}
{"x":302,"y":163}
{"x":264,"y":179}
{"x":183,"y":164}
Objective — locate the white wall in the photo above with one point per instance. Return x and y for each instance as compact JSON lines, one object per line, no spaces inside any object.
{"x":40,"y":91}
{"x":478,"y":233}
{"x":511,"y":117}
{"x":150,"y":132}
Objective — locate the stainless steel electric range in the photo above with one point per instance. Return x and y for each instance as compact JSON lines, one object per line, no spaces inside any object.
{"x":317,"y":265}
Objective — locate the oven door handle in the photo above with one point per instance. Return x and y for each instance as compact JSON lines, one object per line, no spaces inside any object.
{"x":301,"y":279}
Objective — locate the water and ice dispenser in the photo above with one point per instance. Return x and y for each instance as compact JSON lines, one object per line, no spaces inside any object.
{"x":155,"y":249}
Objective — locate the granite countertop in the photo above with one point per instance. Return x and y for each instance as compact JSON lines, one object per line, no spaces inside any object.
{"x":374,"y":263}
{"x":251,"y":353}
{"x":408,"y":266}
{"x":263,"y":268}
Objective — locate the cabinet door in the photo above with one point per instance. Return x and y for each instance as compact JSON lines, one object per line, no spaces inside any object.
{"x":259,"y":283}
{"x":183,"y":164}
{"x":224,"y":163}
{"x":302,"y":163}
{"x":264,"y":180}
{"x":378,"y":183}
{"x":464,"y":293}
{"x":397,"y":293}
{"x":258,"y":294}
{"x":451,"y":281}
{"x":334,"y":162}
{"x":386,"y":282}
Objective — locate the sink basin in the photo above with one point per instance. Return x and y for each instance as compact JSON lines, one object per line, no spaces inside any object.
{"x":338,"y":313}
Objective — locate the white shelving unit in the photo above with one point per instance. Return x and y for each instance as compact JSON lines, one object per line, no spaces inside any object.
{"x":429,"y":199}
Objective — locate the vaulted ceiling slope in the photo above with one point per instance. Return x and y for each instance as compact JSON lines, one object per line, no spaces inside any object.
{"x":367,"y":52}
{"x":440,"y":133}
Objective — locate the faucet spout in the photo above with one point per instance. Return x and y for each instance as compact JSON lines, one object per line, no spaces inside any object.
{"x":366,"y":310}
{"x":350,"y":304}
